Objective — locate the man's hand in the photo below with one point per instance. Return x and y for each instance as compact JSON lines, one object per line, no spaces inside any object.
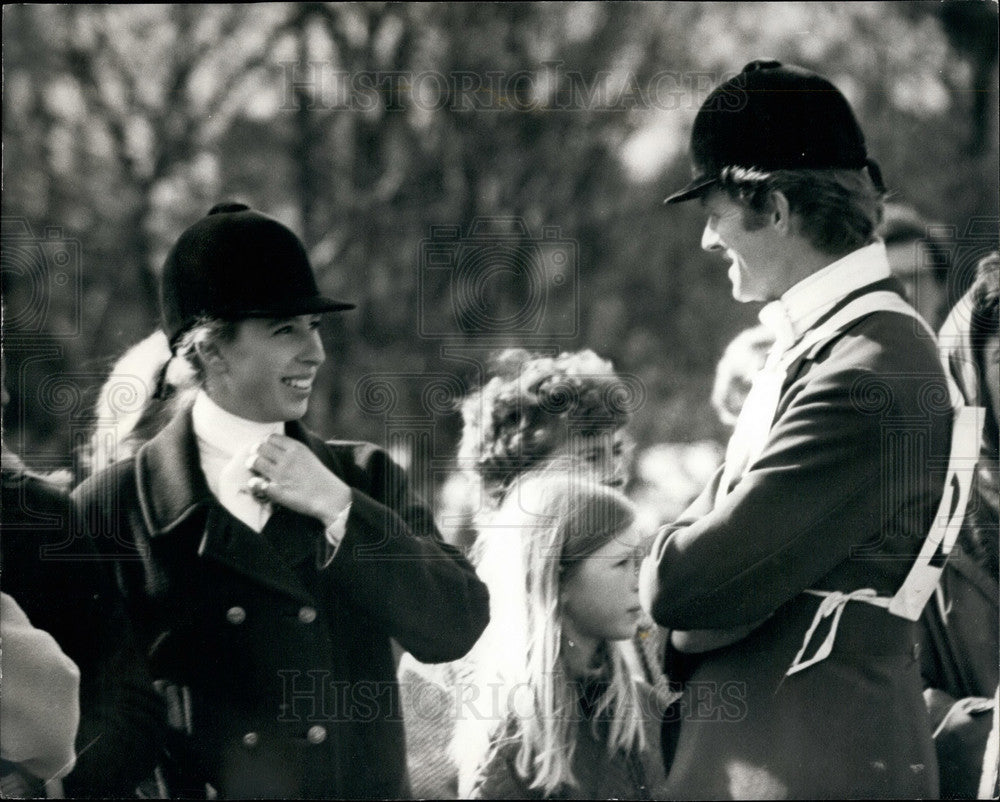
{"x":288,"y":473}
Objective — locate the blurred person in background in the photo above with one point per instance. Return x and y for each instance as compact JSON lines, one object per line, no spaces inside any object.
{"x":560,"y":715}
{"x":567,"y":411}
{"x":264,"y":569}
{"x":919,"y":260}
{"x":793,"y":545}
{"x":533,"y":409}
{"x":960,"y":625}
{"x":136,"y":401}
{"x":669,"y":476}
{"x":39,"y":707}
{"x":65,"y":613}
{"x":563,"y":410}
{"x":734,"y":374}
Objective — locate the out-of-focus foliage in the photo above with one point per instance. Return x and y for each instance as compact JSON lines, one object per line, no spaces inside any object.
{"x":368,"y":127}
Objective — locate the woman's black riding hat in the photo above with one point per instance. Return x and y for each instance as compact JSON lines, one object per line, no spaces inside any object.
{"x":236,"y":263}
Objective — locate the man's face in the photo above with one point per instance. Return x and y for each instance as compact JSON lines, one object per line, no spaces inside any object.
{"x":269,"y":368}
{"x":754,"y":272}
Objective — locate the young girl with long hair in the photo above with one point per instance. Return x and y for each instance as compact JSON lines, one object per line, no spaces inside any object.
{"x":562,"y":563}
{"x":568,"y":411}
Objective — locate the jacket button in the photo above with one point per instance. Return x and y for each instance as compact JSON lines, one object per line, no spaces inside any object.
{"x":316,"y":734}
{"x":236,"y":615}
{"x":307,"y":615}
{"x":250,"y":740}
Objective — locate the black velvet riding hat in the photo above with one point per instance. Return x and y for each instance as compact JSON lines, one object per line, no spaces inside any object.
{"x":774,"y":116}
{"x":237,"y":263}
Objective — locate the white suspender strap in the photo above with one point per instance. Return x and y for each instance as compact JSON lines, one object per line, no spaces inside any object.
{"x":991,"y":760}
{"x":923,"y":577}
{"x":922,"y":580}
{"x":880,"y":301}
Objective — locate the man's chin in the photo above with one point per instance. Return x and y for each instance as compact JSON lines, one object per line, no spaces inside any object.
{"x":736,"y":279}
{"x":740,"y":295}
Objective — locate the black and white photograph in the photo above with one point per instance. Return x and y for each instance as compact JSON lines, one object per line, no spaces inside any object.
{"x":500,"y":400}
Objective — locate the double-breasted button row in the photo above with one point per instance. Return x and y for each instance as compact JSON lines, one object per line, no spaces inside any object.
{"x":237,"y":615}
{"x":316,"y":735}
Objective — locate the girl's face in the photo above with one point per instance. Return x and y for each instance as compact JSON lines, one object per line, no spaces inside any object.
{"x":266,"y":372}
{"x":600,"y":594}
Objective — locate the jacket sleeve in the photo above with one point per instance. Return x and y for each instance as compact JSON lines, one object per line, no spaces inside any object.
{"x":122,"y":725}
{"x":394,"y":565}
{"x":819,"y":490}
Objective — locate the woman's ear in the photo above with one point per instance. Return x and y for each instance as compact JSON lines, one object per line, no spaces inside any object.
{"x":781,"y":215}
{"x":211,"y":358}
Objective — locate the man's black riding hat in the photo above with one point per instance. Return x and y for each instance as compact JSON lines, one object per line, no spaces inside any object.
{"x":774,"y":116}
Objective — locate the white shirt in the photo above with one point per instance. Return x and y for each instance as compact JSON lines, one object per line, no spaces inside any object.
{"x":802,"y":305}
{"x":225,"y":445}
{"x":789,"y":318}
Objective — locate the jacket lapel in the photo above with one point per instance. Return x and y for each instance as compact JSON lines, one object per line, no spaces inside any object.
{"x":293,"y":537}
{"x":324,"y":453}
{"x":172,"y":488}
{"x":890,"y":284}
{"x":230,"y":542}
{"x":169,"y":479}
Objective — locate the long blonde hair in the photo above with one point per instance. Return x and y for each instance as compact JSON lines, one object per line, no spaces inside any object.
{"x":548,"y":523}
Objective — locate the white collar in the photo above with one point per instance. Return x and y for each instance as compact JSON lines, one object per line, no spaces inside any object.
{"x":225,"y":431}
{"x":802,"y":305}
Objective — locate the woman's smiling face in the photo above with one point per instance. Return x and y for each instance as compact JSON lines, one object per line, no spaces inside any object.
{"x":268,"y":368}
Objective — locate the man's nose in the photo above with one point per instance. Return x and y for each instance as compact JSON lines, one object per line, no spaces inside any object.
{"x":710,"y":240}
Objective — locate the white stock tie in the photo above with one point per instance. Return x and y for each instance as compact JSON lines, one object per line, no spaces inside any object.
{"x":235,"y":495}
{"x":754,"y":422}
